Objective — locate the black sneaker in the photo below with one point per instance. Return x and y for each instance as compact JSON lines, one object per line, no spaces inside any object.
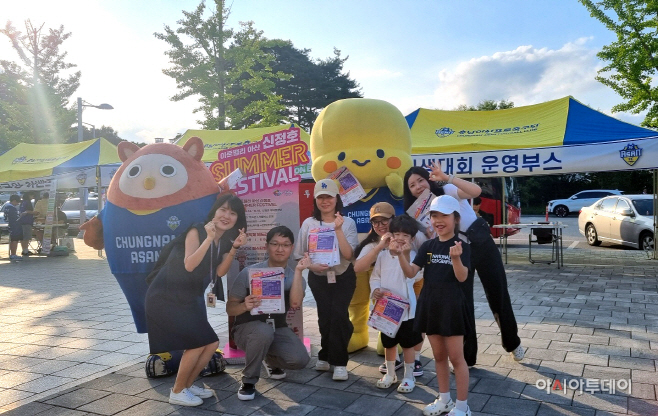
{"x":398,"y":365}
{"x":418,"y":369}
{"x":247,"y":391}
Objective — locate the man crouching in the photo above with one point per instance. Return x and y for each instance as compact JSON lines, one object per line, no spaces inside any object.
{"x":266,"y":338}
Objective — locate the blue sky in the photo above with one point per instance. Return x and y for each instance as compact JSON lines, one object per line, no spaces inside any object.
{"x":433,"y":54}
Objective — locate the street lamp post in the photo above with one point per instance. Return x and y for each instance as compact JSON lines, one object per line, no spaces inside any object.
{"x":81,"y":104}
{"x":93,"y":129}
{"x":81,"y":191}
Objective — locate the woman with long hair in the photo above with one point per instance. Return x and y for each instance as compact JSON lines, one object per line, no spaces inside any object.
{"x":176,"y":314}
{"x":485,"y":258}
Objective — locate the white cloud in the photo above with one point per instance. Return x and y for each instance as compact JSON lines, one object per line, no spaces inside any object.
{"x":525,"y":75}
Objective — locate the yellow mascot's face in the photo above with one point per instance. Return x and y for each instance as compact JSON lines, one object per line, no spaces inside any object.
{"x":370,"y":137}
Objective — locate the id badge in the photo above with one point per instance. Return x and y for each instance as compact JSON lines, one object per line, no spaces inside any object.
{"x":211,"y":300}
{"x":270,"y":322}
{"x":331,"y":276}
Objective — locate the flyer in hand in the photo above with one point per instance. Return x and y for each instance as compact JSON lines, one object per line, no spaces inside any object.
{"x":420,"y":209}
{"x":268,"y":284}
{"x":387,"y":314}
{"x":348,"y":186}
{"x":233,"y":178}
{"x":323,"y":246}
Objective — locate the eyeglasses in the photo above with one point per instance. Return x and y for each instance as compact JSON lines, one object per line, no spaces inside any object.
{"x":377,"y":223}
{"x":282,"y":245}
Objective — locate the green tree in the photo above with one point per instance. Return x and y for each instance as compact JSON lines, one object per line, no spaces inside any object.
{"x":631,"y":59}
{"x":41,"y":83}
{"x":312,"y":85}
{"x":222,"y":67}
{"x":487,"y":105}
{"x":15,"y":124}
{"x":105,"y":132}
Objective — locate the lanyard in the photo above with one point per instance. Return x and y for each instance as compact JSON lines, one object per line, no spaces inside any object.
{"x":213,"y":272}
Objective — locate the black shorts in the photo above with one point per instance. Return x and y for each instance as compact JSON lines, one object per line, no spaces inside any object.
{"x":406,"y":336}
{"x":16,"y":237}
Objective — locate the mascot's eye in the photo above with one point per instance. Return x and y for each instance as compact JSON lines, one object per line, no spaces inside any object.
{"x":341,"y":156}
{"x":167,"y":170}
{"x":380,"y":153}
{"x":134,"y":171}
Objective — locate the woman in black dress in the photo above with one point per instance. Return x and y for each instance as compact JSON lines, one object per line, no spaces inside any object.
{"x":175,"y":306}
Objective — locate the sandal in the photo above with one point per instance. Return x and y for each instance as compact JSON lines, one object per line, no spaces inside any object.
{"x":386,"y":381}
{"x":406,"y":385}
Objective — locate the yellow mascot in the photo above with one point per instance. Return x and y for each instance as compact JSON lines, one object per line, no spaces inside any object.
{"x":372,"y":139}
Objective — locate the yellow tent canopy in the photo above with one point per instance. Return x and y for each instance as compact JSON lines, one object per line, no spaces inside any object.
{"x":32,"y":166}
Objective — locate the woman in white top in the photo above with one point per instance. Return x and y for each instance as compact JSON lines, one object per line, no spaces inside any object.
{"x":332,"y":286}
{"x":485,"y":258}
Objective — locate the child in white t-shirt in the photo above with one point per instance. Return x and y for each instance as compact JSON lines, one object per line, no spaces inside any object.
{"x":387,"y":276}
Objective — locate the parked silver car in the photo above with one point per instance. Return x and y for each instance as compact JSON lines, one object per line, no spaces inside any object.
{"x":626,"y":220}
{"x":71,"y":208}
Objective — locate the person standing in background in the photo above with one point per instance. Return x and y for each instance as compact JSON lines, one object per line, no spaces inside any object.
{"x":26,"y":219}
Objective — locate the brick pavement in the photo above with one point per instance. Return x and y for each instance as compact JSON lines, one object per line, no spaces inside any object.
{"x":68,"y":347}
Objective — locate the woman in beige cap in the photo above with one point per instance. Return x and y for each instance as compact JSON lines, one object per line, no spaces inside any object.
{"x":332,"y":286}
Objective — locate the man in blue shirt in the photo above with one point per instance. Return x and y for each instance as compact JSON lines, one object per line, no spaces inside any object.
{"x":15,"y":229}
{"x":26,"y":219}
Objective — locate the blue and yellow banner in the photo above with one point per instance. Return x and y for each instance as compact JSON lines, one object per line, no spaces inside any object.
{"x":555,"y":137}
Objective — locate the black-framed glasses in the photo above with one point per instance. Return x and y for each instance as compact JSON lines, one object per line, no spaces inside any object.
{"x":377,"y":223}
{"x":282,"y":245}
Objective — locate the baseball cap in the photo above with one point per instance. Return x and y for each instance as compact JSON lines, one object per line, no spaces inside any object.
{"x":445,"y":204}
{"x":382,"y":209}
{"x":325,"y":187}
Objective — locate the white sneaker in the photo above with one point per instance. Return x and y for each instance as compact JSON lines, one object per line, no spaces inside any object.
{"x":437,"y":407}
{"x":200,"y":391}
{"x":184,"y":398}
{"x":457,"y":412}
{"x":340,"y":373}
{"x":518,"y":353}
{"x":322,"y":366}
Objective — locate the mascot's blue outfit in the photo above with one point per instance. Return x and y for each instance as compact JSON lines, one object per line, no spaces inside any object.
{"x":133,"y":243}
{"x":360,"y":210}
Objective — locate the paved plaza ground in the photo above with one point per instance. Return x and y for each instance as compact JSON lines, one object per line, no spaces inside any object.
{"x":68,"y":346}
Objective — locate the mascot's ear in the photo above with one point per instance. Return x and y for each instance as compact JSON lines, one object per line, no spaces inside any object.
{"x":194,"y":146}
{"x":126,"y":149}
